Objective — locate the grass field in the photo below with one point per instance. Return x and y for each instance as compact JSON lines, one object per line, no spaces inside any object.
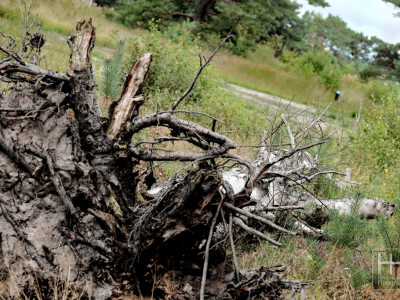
{"x":267,"y":74}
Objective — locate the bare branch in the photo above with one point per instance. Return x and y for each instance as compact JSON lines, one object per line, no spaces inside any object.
{"x":305,"y":178}
{"x":55,"y":178}
{"x":15,"y":155}
{"x":283,"y":157}
{"x":292,"y":142}
{"x":207,"y":254}
{"x":192,"y":113}
{"x":9,"y":67}
{"x":239,"y":222}
{"x":275,"y":208}
{"x":258,"y":218}
{"x":177,"y":155}
{"x":196,"y":77}
{"x":234,"y":255}
{"x":190,"y":128}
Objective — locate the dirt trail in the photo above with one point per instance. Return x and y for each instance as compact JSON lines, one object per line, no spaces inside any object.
{"x":302,"y":112}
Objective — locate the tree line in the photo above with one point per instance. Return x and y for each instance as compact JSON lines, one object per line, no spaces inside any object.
{"x":279,"y":23}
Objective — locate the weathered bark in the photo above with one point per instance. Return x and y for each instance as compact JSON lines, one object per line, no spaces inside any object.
{"x":70,"y":210}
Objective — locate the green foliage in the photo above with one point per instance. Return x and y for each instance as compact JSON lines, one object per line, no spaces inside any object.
{"x":323,"y":64}
{"x":314,"y":260}
{"x":182,"y":32}
{"x":390,"y":231}
{"x":376,"y":144}
{"x":242,"y":43}
{"x":377,"y":90}
{"x":174,"y":65}
{"x":111,"y":74}
{"x":347,"y":230}
{"x":355,"y":262}
{"x":369,"y":71}
{"x":138,"y":13}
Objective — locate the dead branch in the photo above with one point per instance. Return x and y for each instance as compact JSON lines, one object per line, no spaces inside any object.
{"x":207,"y":251}
{"x":128,"y":104}
{"x":15,"y":156}
{"x":10,"y":67}
{"x":56,"y":180}
{"x":234,"y":255}
{"x":292,"y":142}
{"x":239,"y":222}
{"x":258,"y":218}
{"x":196,"y":77}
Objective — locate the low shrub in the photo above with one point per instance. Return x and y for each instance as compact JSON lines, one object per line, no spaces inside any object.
{"x":346,"y":230}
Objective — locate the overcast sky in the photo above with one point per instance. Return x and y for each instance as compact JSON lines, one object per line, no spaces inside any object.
{"x":371,"y":17}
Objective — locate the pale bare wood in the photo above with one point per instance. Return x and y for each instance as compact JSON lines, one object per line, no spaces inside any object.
{"x":81,"y":44}
{"x":129,"y":99}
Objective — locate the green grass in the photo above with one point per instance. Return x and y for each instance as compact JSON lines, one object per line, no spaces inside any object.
{"x":262,"y":72}
{"x":58,"y":19}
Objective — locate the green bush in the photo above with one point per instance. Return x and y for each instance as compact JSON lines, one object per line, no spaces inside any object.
{"x":174,"y":65}
{"x":376,"y":144}
{"x":377,"y":90}
{"x":242,"y":42}
{"x":369,"y":71}
{"x":182,"y":32}
{"x":173,"y":68}
{"x":321,"y":63}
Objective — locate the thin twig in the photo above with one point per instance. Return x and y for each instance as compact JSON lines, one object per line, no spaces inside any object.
{"x":292,"y":142}
{"x":234,"y":255}
{"x":207,"y":251}
{"x":196,"y":77}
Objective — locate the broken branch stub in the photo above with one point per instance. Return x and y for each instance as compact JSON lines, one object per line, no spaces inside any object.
{"x":128,"y":104}
{"x":81,"y":44}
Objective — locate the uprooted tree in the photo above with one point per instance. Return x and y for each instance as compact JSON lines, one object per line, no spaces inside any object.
{"x":71,"y":210}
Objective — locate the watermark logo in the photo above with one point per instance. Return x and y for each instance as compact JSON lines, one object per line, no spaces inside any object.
{"x":385,"y":269}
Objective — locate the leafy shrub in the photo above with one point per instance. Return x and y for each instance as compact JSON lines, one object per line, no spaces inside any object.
{"x":321,"y":63}
{"x":242,"y":42}
{"x":369,"y":71}
{"x":376,"y":144}
{"x":378,"y":90}
{"x":172,"y":70}
{"x":183,"y":32}
{"x":174,"y":65}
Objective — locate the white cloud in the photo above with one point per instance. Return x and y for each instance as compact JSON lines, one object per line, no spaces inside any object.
{"x":371,"y":17}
